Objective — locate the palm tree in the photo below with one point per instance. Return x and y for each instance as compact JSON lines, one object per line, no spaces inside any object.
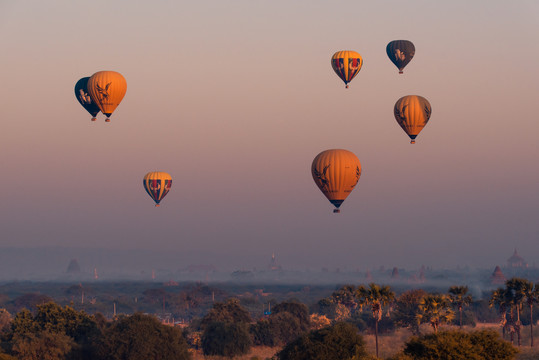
{"x":532,"y":297}
{"x":459,"y":297}
{"x":517,"y":287}
{"x":502,"y":299}
{"x":436,"y":310}
{"x":377,"y":297}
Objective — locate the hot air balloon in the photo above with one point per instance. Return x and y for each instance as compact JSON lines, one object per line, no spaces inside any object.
{"x":346,"y":64}
{"x":81,"y":92}
{"x":336,"y":172}
{"x":107,"y":89}
{"x":400,"y":52}
{"x":412,"y":113}
{"x":157,"y":184}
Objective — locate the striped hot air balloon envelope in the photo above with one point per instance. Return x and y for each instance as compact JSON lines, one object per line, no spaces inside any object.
{"x":107,"y":89}
{"x":81,"y":92}
{"x":157,"y":184}
{"x":412,"y":113}
{"x":336,"y":172}
{"x":400,"y":52}
{"x":346,"y":65}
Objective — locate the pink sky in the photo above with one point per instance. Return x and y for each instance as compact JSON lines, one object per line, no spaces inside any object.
{"x":235,"y":98}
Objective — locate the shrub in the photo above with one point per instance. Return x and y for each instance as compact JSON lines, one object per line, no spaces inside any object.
{"x":337,"y":342}
{"x":226,"y":339}
{"x":459,"y":345}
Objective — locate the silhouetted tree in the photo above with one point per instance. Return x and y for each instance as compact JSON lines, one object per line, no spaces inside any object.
{"x":142,"y":337}
{"x":406,"y":309}
{"x":435,"y":310}
{"x":5,"y":320}
{"x":376,"y":297}
{"x":228,"y":312}
{"x":226,"y":329}
{"x":61,"y":327}
{"x":296,"y":309}
{"x":346,"y":296}
{"x":278,"y":329}
{"x":337,"y":342}
{"x":517,"y":287}
{"x":226,"y":339}
{"x":531,"y":293}
{"x":501,"y":298}
{"x":460,"y":298}
{"x":458,"y":345}
{"x":43,"y":345}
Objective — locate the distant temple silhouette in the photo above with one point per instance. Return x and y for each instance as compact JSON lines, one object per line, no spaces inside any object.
{"x":273,"y":266}
{"x":395,"y":273}
{"x":497,"y":277}
{"x":73,"y":267}
{"x":516,"y":261}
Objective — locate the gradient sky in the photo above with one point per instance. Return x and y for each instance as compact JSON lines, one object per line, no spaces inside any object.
{"x":235,"y":98}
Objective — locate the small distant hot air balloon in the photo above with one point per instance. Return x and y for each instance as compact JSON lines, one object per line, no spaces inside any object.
{"x":336,"y":172}
{"x":346,"y":64}
{"x":412,"y":112}
{"x":157,"y":184}
{"x":400,"y":52}
{"x":81,"y":92}
{"x":107,"y":89}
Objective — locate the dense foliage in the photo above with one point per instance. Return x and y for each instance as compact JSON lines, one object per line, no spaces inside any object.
{"x":53,"y":332}
{"x":226,"y":339}
{"x":459,"y":345}
{"x":142,"y":337}
{"x":226,"y":331}
{"x":338,"y":342}
{"x":228,"y":327}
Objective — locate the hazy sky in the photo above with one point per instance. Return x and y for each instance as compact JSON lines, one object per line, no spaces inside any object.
{"x":235,"y":98}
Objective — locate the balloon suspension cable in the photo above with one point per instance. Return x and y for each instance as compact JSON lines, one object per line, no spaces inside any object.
{"x":336,"y":211}
{"x":107,"y":120}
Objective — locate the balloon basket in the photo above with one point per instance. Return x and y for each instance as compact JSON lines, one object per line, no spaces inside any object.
{"x":156,"y":205}
{"x":107,"y":120}
{"x":336,"y":211}
{"x":412,"y":142}
{"x":401,"y":72}
{"x":94,"y":119}
{"x":346,"y":87}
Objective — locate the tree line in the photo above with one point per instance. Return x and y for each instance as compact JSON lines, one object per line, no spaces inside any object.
{"x":329,"y":329}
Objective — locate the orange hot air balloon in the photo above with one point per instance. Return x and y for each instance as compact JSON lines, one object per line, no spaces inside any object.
{"x":412,"y":112}
{"x":157,"y":184}
{"x":107,"y":89}
{"x":336,"y":172}
{"x":346,"y":65}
